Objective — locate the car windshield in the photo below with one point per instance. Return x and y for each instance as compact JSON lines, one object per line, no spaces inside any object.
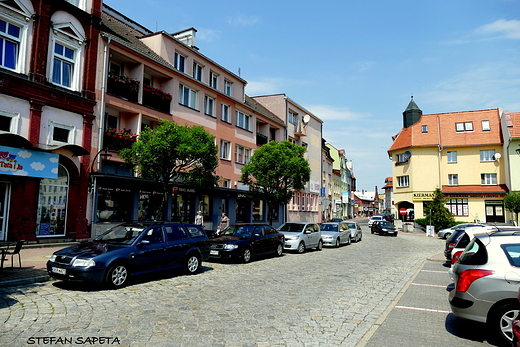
{"x":377,"y":218}
{"x":385,"y":224}
{"x":292,"y":227}
{"x":351,"y":225}
{"x":242,"y":231}
{"x":329,"y":227}
{"x":121,"y":234}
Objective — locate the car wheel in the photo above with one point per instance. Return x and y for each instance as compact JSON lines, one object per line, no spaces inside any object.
{"x":394,"y":235}
{"x":372,"y":231}
{"x":320,"y":246}
{"x":349,"y":240}
{"x":279,"y":250}
{"x":301,"y":247}
{"x":246,"y":255}
{"x":192,"y":263}
{"x":338,"y":241}
{"x":117,"y":276}
{"x":501,"y":322}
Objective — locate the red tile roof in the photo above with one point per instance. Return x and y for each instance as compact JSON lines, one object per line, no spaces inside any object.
{"x":442,"y":130}
{"x":514,"y":129}
{"x":475,"y":188}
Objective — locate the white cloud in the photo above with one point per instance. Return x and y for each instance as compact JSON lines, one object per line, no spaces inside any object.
{"x":242,"y":20}
{"x":20,"y":173}
{"x":505,"y":29}
{"x":54,"y":159}
{"x":327,"y":112}
{"x":24,"y":154}
{"x":55,"y":171}
{"x":37,"y":166}
{"x":208,"y":35}
{"x":266,"y":86}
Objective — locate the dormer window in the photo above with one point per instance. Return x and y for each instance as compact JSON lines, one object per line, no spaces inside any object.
{"x":424,"y":128}
{"x":466,"y":126}
{"x":485,"y":125}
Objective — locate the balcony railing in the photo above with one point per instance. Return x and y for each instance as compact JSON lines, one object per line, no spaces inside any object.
{"x":117,"y":140}
{"x":261,"y":139}
{"x":156,"y":98}
{"x":123,"y":87}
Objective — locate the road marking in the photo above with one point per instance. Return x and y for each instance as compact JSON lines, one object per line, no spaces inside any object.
{"x":435,"y":271}
{"x":422,"y":309}
{"x":428,"y":285}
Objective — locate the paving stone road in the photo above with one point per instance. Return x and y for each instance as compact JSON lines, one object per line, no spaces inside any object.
{"x":320,"y":298}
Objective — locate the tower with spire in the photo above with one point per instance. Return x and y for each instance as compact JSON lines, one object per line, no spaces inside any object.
{"x":412,"y":114}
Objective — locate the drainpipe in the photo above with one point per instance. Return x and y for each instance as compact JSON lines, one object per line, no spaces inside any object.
{"x":101,"y":126}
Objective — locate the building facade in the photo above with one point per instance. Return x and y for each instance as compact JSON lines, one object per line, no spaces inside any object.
{"x":47,"y":100}
{"x":461,"y":153}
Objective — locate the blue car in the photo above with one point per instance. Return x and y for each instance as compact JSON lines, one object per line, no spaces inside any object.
{"x":131,"y":249}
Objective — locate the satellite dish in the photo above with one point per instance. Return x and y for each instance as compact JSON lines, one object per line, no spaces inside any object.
{"x":498,"y":156}
{"x":306,"y":119}
{"x":407,"y":155}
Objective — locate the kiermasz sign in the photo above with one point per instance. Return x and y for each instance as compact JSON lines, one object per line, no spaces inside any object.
{"x":24,"y":162}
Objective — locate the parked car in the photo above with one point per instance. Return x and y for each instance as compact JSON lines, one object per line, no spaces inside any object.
{"x":355,"y":231}
{"x":445,"y":233}
{"x":301,"y":236}
{"x":383,"y":228}
{"x":376,"y":218}
{"x":245,"y":241}
{"x":335,"y":234}
{"x":130,"y":249}
{"x":516,"y":326}
{"x":457,"y":234}
{"x":487,"y":277}
{"x":466,"y":237}
{"x":336,"y":220}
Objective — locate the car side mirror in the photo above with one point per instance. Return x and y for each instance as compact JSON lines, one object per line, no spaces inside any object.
{"x":257,"y":235}
{"x":144,"y":242}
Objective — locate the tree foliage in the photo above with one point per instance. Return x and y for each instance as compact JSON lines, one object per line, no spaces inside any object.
{"x":275,"y":170}
{"x":172,"y":153}
{"x":441,"y":217}
{"x":512,"y":203}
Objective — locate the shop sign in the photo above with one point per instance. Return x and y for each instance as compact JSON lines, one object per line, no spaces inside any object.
{"x":177,"y":189}
{"x":23,"y":162}
{"x":314,"y":187}
{"x":423,"y":196}
{"x":475,"y":195}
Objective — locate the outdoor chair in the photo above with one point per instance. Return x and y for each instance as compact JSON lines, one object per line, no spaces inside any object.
{"x":16,"y":251}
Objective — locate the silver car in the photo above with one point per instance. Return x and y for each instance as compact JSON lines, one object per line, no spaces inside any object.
{"x":355,"y":231}
{"x":445,"y":233}
{"x":487,"y":277}
{"x":301,"y":236}
{"x":335,"y":234}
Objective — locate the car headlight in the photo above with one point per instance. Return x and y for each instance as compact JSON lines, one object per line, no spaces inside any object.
{"x":226,"y":246}
{"x":83,"y":262}
{"x":327,"y":237}
{"x":289,"y":238}
{"x":53,"y":258}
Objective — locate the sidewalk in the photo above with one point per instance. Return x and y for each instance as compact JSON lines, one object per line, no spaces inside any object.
{"x":34,"y":260}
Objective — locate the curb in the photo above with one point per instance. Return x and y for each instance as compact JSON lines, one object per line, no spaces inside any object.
{"x":21,"y":281}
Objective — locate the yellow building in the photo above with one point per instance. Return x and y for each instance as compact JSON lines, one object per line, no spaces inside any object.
{"x":461,"y":153}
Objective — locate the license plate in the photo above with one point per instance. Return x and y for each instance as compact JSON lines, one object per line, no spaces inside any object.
{"x":59,"y":270}
{"x":212,"y":252}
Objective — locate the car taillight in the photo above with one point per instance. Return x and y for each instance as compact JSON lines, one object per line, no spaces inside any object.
{"x":467,"y":277}
{"x":455,"y":257}
{"x":451,"y":245}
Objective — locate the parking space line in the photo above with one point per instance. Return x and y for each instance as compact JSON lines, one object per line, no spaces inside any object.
{"x":422,"y":309}
{"x":428,"y":285}
{"x":435,"y":271}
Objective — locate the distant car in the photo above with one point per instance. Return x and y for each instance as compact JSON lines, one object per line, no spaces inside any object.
{"x":355,"y":231}
{"x":376,"y":218}
{"x":335,"y":234}
{"x":445,"y":233}
{"x":301,"y":236}
{"x":487,"y":277}
{"x":336,"y":220}
{"x":245,"y":241}
{"x":383,"y":228}
{"x":130,"y":249}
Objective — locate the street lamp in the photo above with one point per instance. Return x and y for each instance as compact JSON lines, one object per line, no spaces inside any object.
{"x":103,"y":154}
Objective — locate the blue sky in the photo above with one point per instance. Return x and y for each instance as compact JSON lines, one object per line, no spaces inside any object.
{"x":356,"y":64}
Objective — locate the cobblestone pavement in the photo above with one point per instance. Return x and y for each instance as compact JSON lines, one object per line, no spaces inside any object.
{"x":320,"y":298}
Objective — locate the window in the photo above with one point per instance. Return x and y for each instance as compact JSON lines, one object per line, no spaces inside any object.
{"x":213,"y":80}
{"x":60,"y":133}
{"x":424,"y":128}
{"x":403,"y":158}
{"x":197,"y":72}
{"x":178,"y":62}
{"x":242,"y":154}
{"x":228,"y":87}
{"x":243,"y":121}
{"x":226,"y":183}
{"x":52,"y":205}
{"x":63,"y":66}
{"x":403,"y":181}
{"x":225,"y":147}
{"x":466,"y":126}
{"x":487,"y":155}
{"x":458,"y":207}
{"x":452,"y":157}
{"x":10,"y":36}
{"x":224,"y":113}
{"x":209,"y":106}
{"x":9,"y":122}
{"x":485,"y":125}
{"x":187,"y":96}
{"x":292,"y":117}
{"x":488,"y":179}
{"x":453,"y":180}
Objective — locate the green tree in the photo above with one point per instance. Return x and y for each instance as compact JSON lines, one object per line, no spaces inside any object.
{"x":171,"y":154}
{"x":441,"y":217}
{"x":512,"y":203}
{"x":275,"y":170}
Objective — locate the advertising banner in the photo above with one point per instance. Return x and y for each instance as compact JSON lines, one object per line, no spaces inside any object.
{"x":24,"y":162}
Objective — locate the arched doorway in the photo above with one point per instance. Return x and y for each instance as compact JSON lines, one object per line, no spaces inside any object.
{"x":409,"y":208}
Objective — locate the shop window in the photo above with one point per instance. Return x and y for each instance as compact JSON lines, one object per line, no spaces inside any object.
{"x":204,"y":206}
{"x":458,"y":207}
{"x":114,"y":204}
{"x":149,"y":205}
{"x":258,"y":211}
{"x":52,"y":205}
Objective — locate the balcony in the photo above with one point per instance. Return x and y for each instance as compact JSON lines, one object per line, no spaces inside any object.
{"x":300,"y":129}
{"x":156,"y":98}
{"x":261,"y":139}
{"x":123,"y":87}
{"x":117,"y":140}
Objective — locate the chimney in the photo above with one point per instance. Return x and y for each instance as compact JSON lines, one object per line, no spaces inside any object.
{"x":187,"y":37}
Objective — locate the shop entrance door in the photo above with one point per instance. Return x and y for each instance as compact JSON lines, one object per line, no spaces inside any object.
{"x":5,"y":197}
{"x":495,"y":212}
